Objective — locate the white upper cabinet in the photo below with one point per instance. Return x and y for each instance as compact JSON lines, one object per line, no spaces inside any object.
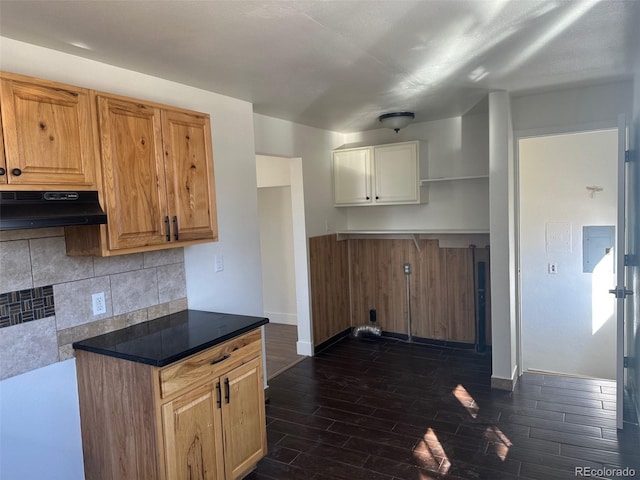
{"x":380,"y":174}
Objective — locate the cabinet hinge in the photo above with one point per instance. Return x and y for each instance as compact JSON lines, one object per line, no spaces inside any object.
{"x":631,"y":260}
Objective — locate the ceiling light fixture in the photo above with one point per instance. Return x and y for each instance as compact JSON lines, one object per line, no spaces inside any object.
{"x":396,"y":120}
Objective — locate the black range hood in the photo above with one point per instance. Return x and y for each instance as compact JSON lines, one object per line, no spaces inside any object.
{"x":34,"y":209}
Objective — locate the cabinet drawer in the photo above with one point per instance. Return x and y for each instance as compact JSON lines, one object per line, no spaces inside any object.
{"x":210,"y":363}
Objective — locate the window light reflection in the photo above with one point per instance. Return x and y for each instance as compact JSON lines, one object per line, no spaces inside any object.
{"x":430,"y":455}
{"x":466,"y":400}
{"x":498,"y":441}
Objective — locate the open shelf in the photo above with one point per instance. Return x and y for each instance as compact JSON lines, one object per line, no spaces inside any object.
{"x":451,"y":179}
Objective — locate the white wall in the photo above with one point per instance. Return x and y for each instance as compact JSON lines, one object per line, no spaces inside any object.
{"x":634,"y":306}
{"x":237,"y":289}
{"x":502,"y":232}
{"x":456,"y":147}
{"x":276,"y":239}
{"x":280,"y":138}
{"x":566,"y":327}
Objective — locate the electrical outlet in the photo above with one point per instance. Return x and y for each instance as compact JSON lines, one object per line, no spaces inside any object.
{"x":219,"y":262}
{"x":553,"y":268}
{"x":99,"y":304}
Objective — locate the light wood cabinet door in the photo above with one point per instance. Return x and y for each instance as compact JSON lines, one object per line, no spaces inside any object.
{"x":396,"y":174}
{"x":193,"y":436}
{"x":189,"y":173}
{"x":133,"y":173}
{"x":3,"y":162}
{"x":243,"y":418}
{"x":352,"y":177}
{"x":47,"y":134}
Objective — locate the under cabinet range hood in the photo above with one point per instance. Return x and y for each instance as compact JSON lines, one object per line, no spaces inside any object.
{"x":35,"y":209}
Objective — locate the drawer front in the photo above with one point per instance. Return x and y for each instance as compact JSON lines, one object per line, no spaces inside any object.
{"x":210,"y":363}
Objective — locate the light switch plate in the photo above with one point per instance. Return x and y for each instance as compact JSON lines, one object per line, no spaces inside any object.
{"x":219,"y":262}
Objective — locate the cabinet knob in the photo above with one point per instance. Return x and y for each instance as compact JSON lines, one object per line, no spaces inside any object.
{"x":368,"y":198}
{"x":17,"y":172}
{"x":2,"y":171}
{"x":377,"y":197}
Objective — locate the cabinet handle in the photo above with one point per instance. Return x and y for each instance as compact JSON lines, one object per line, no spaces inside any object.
{"x":17,"y":172}
{"x":227,"y":395}
{"x":2,"y":171}
{"x":167,"y":227}
{"x":219,"y":394}
{"x":175,"y":227}
{"x":221,"y":359}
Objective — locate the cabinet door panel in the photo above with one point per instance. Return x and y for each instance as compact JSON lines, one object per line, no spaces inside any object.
{"x":193,"y":436}
{"x":3,"y":163}
{"x":396,"y":173}
{"x":47,"y":134}
{"x":133,"y":173}
{"x":352,"y":177}
{"x":243,"y":416}
{"x":189,"y":169}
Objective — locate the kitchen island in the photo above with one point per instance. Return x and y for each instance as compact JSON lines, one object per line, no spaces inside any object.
{"x":178,"y":397}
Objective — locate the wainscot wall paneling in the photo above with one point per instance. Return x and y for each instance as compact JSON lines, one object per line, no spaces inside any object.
{"x":329,"y":272}
{"x":442,"y":287}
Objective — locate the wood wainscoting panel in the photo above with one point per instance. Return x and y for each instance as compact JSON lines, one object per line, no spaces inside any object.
{"x":329,"y":273}
{"x":429,"y":292}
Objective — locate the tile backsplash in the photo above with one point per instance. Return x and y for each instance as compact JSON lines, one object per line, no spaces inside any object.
{"x":45,"y":295}
{"x":26,"y":305}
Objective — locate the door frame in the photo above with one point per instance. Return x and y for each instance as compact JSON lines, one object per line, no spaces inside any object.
{"x":517,"y":136}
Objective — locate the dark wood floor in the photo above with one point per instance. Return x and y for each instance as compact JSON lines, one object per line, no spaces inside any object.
{"x":380,"y":409}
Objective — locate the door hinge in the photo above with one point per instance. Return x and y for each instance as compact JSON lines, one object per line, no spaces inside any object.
{"x":627,"y":156}
{"x":621,"y":292}
{"x":631,"y":260}
{"x":626,"y":362}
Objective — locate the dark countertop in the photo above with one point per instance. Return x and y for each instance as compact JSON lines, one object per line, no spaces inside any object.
{"x":170,"y":338}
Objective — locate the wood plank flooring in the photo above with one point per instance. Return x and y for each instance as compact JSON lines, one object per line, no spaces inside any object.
{"x":380,"y":409}
{"x":280,"y":342}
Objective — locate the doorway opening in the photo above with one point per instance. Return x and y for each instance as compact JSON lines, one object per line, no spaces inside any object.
{"x":567,"y":209}
{"x":284,"y":261}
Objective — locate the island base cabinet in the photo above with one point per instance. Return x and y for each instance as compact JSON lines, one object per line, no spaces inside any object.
{"x":243,"y":415}
{"x":193,"y":436}
{"x":199,"y":418}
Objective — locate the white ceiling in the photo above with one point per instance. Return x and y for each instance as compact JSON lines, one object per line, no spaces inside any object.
{"x":339,"y":64}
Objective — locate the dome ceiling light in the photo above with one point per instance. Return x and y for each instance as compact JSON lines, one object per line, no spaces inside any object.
{"x":396,"y":120}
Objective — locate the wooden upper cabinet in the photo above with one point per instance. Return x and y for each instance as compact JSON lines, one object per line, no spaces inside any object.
{"x":47,"y":134}
{"x":156,"y":182}
{"x":3,"y":162}
{"x":189,"y":175}
{"x":133,"y":173}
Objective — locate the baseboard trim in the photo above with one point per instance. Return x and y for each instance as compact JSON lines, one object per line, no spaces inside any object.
{"x":508,"y":384}
{"x":304,"y":348}
{"x":318,"y":348}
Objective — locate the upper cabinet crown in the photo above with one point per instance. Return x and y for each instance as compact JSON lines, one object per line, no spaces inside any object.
{"x":47,"y":135}
{"x":380,"y":174}
{"x":157,"y":178}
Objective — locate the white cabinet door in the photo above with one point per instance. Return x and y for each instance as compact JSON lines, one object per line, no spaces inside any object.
{"x":396,"y":174}
{"x":352,"y":177}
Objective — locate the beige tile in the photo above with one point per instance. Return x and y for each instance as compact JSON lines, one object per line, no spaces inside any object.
{"x":134,"y":290}
{"x":15,"y":266}
{"x":74,"y":305}
{"x":158,"y":311}
{"x":65,"y":352}
{"x":31,"y":233}
{"x":133,"y":318}
{"x":178,"y":305}
{"x":163,"y":257}
{"x":50,"y":263}
{"x":172,"y":283}
{"x":117,"y":264}
{"x":27,"y":346}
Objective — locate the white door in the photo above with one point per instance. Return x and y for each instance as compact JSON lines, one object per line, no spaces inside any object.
{"x":352,"y":177}
{"x":396,"y":173}
{"x":621,"y":291}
